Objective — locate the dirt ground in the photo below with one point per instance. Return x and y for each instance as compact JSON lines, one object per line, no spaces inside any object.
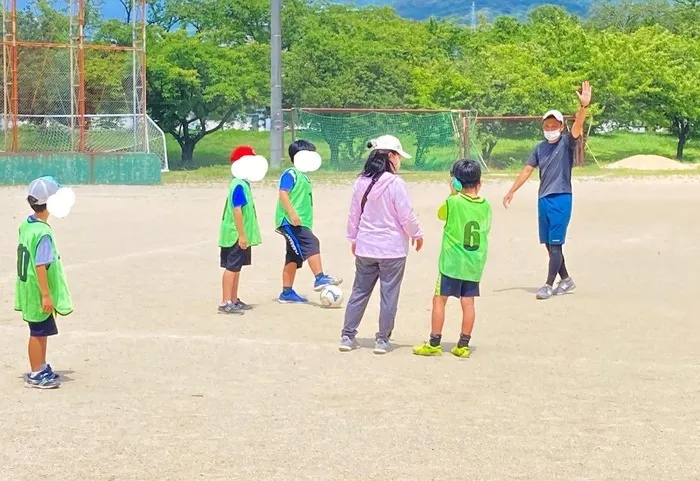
{"x":598,"y":385}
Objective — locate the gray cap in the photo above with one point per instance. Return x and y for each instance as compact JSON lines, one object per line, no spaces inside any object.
{"x":43,"y":188}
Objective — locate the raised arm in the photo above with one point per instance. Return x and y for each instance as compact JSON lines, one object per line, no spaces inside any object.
{"x":584,"y":97}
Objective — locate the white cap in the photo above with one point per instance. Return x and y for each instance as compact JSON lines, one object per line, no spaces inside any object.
{"x":43,"y":188}
{"x":389,"y":142}
{"x":554,"y":113}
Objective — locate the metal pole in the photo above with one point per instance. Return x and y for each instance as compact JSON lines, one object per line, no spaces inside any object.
{"x":277,"y":124}
{"x":134,"y":80}
{"x":15,"y":80}
{"x":72,"y":75}
{"x":467,"y":136}
{"x":144,"y":110}
{"x":5,"y":118}
{"x":82,"y":145}
{"x":293,"y":124}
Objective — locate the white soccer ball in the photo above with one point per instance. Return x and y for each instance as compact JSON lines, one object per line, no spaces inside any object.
{"x":331,"y":296}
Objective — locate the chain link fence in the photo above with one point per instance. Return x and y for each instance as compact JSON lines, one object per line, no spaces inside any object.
{"x":64,"y":91}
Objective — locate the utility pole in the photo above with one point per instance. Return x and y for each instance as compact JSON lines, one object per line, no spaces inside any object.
{"x":277,"y":122}
{"x":473,"y":14}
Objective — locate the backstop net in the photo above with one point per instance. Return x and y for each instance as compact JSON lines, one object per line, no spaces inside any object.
{"x":68,"y":87}
{"x":435,"y":139}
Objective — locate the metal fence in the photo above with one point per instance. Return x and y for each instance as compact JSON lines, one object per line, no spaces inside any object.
{"x":66,"y":89}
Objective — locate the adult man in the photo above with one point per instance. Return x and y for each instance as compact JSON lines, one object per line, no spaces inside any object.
{"x":555,"y":159}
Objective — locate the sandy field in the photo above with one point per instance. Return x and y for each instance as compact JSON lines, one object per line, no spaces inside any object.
{"x":601,"y":384}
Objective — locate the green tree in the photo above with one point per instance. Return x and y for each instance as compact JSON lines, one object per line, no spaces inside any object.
{"x":630,"y":15}
{"x":349,"y":58}
{"x":192,"y":82}
{"x":648,"y":78}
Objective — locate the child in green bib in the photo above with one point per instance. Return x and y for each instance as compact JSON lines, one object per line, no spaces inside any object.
{"x":41,"y":290}
{"x":238,"y":233}
{"x":463,"y":255}
{"x":294,"y":220}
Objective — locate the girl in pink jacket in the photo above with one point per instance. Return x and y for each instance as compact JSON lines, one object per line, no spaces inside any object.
{"x":380,"y":224}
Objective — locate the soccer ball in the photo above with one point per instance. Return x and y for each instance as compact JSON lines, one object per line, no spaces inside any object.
{"x":331,"y":296}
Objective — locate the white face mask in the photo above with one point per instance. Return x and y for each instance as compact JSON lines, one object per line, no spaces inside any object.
{"x":552,"y":135}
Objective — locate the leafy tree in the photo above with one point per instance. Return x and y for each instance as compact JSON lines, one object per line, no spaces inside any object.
{"x":352,"y":59}
{"x":630,"y":15}
{"x":163,"y":13}
{"x":655,"y":85}
{"x":192,"y":82}
{"x":128,"y":7}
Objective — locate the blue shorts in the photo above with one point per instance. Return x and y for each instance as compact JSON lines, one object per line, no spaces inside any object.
{"x":301,"y":244}
{"x":450,"y":287}
{"x":44,"y":328}
{"x":553,"y":215}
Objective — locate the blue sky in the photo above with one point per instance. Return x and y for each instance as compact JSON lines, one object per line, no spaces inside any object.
{"x":110,"y":8}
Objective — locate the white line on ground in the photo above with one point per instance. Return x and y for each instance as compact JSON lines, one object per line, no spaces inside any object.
{"x":120,"y":258}
{"x":149,"y":336}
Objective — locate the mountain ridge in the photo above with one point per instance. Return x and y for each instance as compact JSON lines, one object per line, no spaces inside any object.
{"x":461,"y":9}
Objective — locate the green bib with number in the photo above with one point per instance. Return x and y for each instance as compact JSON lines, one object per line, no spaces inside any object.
{"x":228,"y":234}
{"x":27,"y":291}
{"x":301,"y":199}
{"x":465,"y":237}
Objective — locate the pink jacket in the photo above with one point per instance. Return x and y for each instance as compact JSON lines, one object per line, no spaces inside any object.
{"x":388,"y":221}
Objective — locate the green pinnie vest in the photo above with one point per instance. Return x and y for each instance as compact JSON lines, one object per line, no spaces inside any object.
{"x":27,"y":291}
{"x":301,"y":199}
{"x":228,"y":234}
{"x":465,"y":243}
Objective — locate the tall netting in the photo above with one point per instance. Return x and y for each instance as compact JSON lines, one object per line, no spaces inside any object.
{"x":434,"y":139}
{"x":65,"y":89}
{"x":507,"y":142}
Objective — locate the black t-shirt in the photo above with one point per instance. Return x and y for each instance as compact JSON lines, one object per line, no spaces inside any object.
{"x":555,"y":162}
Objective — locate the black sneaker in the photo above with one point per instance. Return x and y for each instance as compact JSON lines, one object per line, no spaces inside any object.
{"x":230,"y":308}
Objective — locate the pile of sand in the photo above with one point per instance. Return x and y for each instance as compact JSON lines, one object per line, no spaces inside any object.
{"x":649,"y":162}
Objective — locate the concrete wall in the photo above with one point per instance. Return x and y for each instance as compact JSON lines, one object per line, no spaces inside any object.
{"x":73,"y":168}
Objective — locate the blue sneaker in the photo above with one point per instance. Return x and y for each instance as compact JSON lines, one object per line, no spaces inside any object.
{"x":326,"y":281}
{"x":292,"y":298}
{"x":52,"y":374}
{"x":41,"y":380}
{"x":48,"y":371}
